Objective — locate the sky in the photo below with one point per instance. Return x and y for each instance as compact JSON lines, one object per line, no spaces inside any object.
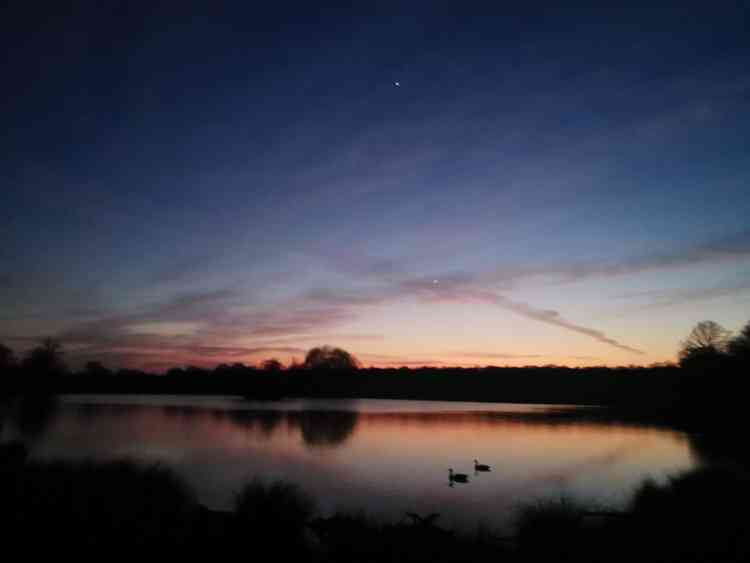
{"x":420,"y":183}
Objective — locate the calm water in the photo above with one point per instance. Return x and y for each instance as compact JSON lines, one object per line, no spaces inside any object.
{"x":386,"y":457}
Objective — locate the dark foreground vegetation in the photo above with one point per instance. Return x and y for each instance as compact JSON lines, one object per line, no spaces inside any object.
{"x":84,"y":508}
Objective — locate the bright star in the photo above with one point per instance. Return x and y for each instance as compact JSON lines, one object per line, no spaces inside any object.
{"x":397,"y":83}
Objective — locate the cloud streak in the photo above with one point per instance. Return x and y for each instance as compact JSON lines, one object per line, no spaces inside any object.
{"x":554,"y":318}
{"x":728,"y":249}
{"x":668,"y":297}
{"x":546,"y":316}
{"x":494,"y":355}
{"x":460,"y":288}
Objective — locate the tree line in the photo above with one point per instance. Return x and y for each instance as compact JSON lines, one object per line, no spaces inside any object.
{"x":708,"y":373}
{"x":47,"y":359}
{"x":709,"y":345}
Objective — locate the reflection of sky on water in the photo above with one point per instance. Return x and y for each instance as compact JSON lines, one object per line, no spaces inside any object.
{"x":369,"y":454}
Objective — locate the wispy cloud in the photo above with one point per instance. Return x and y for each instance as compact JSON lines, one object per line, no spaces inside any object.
{"x":554,"y":318}
{"x":230,"y":351}
{"x":507,"y":356}
{"x":408,"y":363}
{"x":460,"y":288}
{"x":489,"y":287}
{"x":463,"y":291}
{"x":398,"y":361}
{"x":494,"y":355}
{"x":319,"y":337}
{"x":183,"y":269}
{"x":188,"y":304}
{"x":733,"y":248}
{"x":667,"y":297}
{"x":302,"y":319}
{"x":730,"y":248}
{"x":225,"y":315}
{"x":195,"y":327}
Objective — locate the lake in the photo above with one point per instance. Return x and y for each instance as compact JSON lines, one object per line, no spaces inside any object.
{"x":378,"y":456}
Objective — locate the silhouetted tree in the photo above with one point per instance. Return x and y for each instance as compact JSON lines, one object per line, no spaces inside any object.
{"x":46,"y":359}
{"x":272,"y":365}
{"x":706,"y":345}
{"x":739,"y":346}
{"x":7,"y":358}
{"x":328,"y":358}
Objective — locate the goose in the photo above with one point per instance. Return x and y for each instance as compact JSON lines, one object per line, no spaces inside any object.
{"x":481,"y":466}
{"x":457,"y":477}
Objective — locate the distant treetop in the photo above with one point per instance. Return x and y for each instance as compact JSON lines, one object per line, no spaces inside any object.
{"x":46,"y":359}
{"x":272,"y":364}
{"x":329,"y":358}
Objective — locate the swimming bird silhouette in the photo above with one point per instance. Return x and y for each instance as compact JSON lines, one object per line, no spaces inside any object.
{"x":481,"y":466}
{"x":457,"y":477}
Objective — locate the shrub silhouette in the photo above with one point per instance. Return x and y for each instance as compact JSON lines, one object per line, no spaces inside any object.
{"x":275,"y":514}
{"x":106,"y":504}
{"x":550,"y":529}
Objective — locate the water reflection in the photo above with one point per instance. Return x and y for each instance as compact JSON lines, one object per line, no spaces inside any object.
{"x":317,"y":429}
{"x":264,"y":422}
{"x":367,"y":454}
{"x":321,"y":429}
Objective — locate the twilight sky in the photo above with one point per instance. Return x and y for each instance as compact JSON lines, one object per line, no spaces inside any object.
{"x":543,"y":185}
